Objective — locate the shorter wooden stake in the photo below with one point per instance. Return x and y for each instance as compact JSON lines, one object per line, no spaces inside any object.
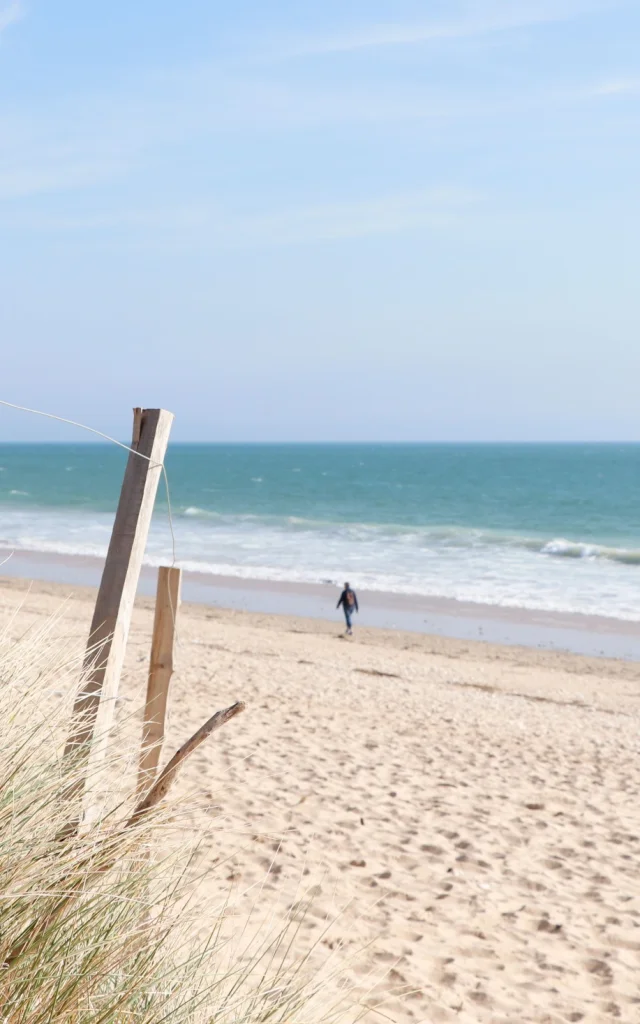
{"x":160,"y":672}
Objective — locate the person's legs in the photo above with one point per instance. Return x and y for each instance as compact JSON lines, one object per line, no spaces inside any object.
{"x":347,"y":616}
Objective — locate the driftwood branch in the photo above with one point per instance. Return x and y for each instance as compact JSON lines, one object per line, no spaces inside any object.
{"x":160,"y":788}
{"x":165,"y":780}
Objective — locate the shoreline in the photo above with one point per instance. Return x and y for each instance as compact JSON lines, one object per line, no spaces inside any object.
{"x":437,"y":617}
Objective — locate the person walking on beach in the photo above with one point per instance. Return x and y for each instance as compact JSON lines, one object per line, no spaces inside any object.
{"x":349,"y":603}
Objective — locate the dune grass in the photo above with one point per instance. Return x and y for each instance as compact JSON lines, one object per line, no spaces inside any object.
{"x":96,"y":925}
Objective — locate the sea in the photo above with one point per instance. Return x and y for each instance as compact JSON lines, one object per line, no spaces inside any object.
{"x":554,"y":527}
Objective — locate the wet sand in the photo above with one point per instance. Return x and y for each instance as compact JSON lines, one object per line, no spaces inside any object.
{"x":595,"y":636}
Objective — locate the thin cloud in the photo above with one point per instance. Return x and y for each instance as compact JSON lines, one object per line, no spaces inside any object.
{"x":77,"y":142}
{"x":81,"y":143}
{"x":475,"y":20}
{"x":68,"y":176}
{"x":426,"y":208}
{"x":11,"y":14}
{"x":618,"y":87}
{"x":417,"y":210}
{"x":79,"y":146}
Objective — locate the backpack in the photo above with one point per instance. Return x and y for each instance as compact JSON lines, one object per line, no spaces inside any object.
{"x":350,"y":598}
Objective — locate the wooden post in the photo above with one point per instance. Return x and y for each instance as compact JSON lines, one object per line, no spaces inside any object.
{"x":160,"y":672}
{"x":94,"y":706}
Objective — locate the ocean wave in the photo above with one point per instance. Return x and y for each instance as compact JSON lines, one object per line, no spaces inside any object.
{"x":561,"y":548}
{"x":425,"y":537}
{"x":53,"y":547}
{"x":200,"y":513}
{"x":463,"y":563}
{"x":210,"y":528}
{"x":511,"y":587}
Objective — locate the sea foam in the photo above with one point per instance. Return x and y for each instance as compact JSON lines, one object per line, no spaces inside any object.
{"x":491,"y":567}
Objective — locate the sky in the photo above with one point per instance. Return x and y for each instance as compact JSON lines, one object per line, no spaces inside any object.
{"x":337,"y":220}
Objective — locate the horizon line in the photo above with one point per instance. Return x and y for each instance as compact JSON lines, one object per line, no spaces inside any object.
{"x":344,"y":444}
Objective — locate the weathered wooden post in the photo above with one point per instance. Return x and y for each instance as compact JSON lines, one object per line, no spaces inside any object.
{"x":94,"y":706}
{"x":160,"y":672}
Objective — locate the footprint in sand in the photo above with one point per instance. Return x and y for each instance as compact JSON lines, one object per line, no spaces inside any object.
{"x":435,"y":851}
{"x":600,"y":969}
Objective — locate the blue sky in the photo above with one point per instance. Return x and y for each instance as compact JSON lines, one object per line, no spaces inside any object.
{"x":337,"y":220}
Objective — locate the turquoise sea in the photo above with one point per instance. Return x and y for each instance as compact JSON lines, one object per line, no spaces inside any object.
{"x":553,"y":527}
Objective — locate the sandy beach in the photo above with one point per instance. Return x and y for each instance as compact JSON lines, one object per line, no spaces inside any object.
{"x":468,"y":813}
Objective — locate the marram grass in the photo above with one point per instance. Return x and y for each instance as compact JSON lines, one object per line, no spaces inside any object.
{"x":95,"y":927}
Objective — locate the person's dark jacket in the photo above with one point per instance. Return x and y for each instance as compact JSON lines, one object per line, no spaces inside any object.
{"x":343,"y":600}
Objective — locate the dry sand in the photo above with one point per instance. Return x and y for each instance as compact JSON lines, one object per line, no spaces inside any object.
{"x":470,"y":812}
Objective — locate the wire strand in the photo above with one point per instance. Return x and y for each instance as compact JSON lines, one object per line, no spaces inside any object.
{"x":73,"y":423}
{"x":120,"y":444}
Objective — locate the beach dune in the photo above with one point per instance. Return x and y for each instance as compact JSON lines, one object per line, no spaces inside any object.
{"x":467,"y":815}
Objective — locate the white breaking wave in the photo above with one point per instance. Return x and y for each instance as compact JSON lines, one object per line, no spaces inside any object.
{"x":467,"y":565}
